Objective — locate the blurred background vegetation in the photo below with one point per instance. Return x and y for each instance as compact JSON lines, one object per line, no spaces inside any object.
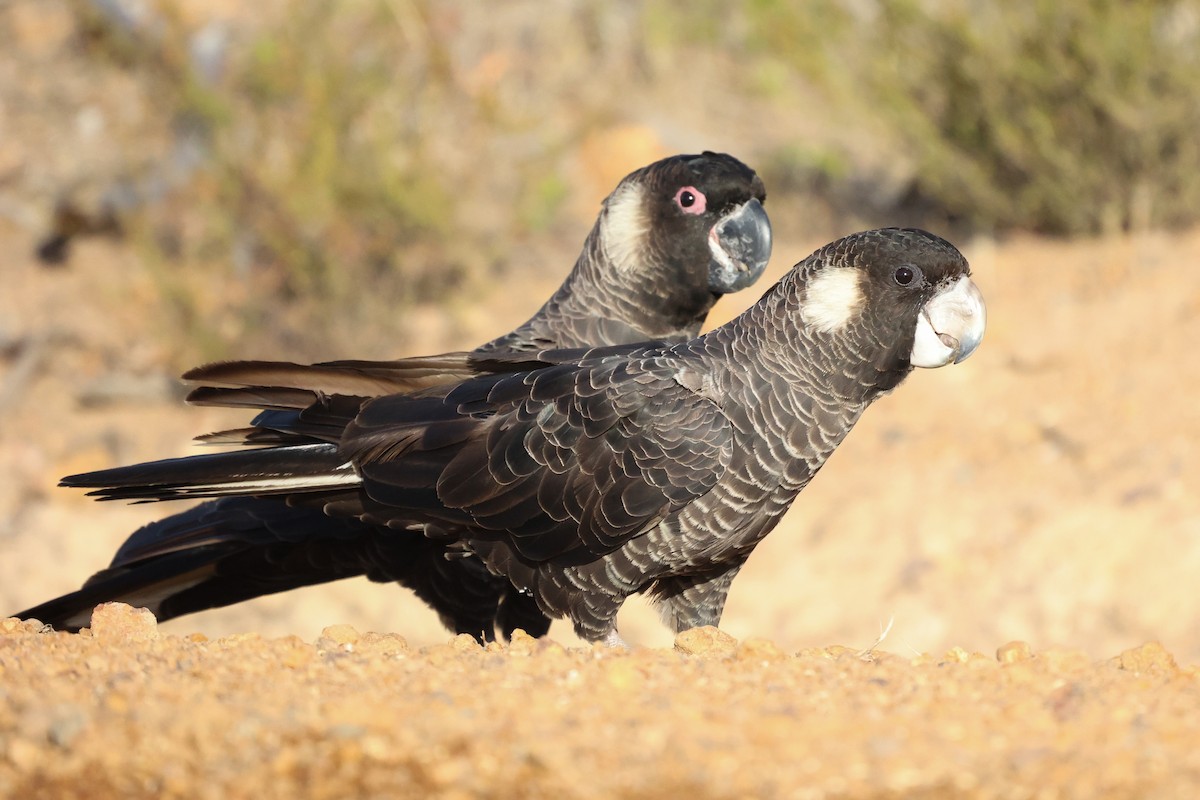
{"x":296,"y":174}
{"x":1063,"y":118}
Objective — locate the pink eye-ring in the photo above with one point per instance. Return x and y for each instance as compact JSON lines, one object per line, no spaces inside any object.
{"x":691,"y":200}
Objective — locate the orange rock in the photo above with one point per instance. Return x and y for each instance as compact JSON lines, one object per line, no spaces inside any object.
{"x":341,"y":634}
{"x":706,"y":641}
{"x":957,"y":654}
{"x":464,"y":642}
{"x":521,"y":644}
{"x":382,"y":644}
{"x":1013,"y":652}
{"x":117,"y":622}
{"x":1150,"y":657}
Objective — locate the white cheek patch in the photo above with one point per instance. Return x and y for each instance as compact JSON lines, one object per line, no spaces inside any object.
{"x":623,"y":231}
{"x":832,"y":299}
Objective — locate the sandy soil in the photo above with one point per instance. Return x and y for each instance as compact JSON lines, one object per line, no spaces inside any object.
{"x":126,"y":712}
{"x":1042,"y":492}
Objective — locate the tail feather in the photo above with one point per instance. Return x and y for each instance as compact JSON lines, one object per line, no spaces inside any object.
{"x":263,"y":384}
{"x":227,"y":551}
{"x":248,"y":437}
{"x":356,"y":378}
{"x":217,"y":554}
{"x":258,"y":397}
{"x":269,"y":471}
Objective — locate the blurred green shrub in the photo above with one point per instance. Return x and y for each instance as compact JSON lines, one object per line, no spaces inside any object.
{"x":336,"y":148}
{"x":1062,"y":117}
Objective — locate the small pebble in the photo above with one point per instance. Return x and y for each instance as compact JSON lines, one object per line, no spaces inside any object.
{"x":382,"y":644}
{"x":340,"y":634}
{"x":1150,"y":657}
{"x":117,"y":622}
{"x":957,"y":655}
{"x":706,"y":641}
{"x":521,"y":643}
{"x":1012,"y":652}
{"x":465,"y":642}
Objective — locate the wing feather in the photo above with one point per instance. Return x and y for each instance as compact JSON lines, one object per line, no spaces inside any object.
{"x":577,"y":457}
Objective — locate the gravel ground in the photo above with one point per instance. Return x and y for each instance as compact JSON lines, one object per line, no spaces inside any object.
{"x":123,"y":711}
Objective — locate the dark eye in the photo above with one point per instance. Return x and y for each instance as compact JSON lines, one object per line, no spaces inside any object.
{"x":691,"y":200}
{"x":905,"y":275}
